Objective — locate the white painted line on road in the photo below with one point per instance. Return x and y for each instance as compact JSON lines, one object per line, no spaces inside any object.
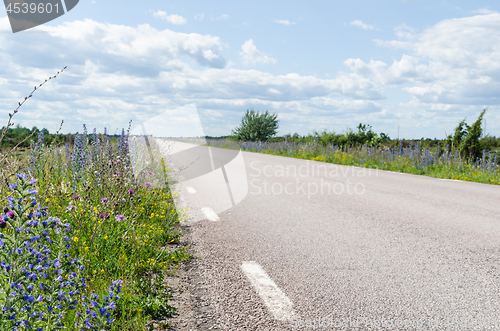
{"x":191,"y":190}
{"x":210,"y":214}
{"x":276,"y":301}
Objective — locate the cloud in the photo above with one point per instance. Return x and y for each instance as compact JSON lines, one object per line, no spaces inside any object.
{"x":222,"y":17}
{"x":173,"y":18}
{"x":459,"y":60}
{"x":117,"y":73}
{"x":483,"y":11}
{"x":284,"y":22}
{"x":199,"y":17}
{"x":405,"y":32}
{"x":362,"y":25}
{"x":251,"y":55}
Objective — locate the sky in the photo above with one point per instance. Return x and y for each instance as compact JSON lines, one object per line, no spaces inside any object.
{"x":414,"y":66}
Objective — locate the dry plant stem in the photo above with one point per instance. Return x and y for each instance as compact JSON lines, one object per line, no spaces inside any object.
{"x":9,"y":124}
{"x":15,"y":147}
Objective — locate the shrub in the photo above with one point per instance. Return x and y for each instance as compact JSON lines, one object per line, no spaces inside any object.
{"x":256,"y":126}
{"x":470,"y":147}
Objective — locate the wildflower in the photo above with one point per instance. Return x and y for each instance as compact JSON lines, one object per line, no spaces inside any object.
{"x":74,"y":197}
{"x":70,"y":208}
{"x":104,"y":216}
{"x":104,"y":200}
{"x":11,"y":215}
{"x":147,"y":185}
{"x":120,"y":217}
{"x":22,"y":176}
{"x":12,"y":186}
{"x":75,"y":239}
{"x":131,"y":192}
{"x":150,"y":173}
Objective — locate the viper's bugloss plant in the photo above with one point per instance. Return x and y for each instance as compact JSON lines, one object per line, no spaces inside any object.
{"x":40,"y":280}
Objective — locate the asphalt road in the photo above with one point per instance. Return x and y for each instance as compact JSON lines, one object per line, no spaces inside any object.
{"x":349,"y":248}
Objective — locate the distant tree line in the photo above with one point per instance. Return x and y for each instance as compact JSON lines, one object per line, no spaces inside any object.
{"x":17,"y":134}
{"x":467,"y":140}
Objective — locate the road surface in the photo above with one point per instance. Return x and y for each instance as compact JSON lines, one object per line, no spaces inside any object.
{"x":317,"y":246}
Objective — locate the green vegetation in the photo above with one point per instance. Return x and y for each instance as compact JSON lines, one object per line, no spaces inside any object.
{"x":256,"y":126}
{"x":121,"y":225}
{"x":465,"y":156}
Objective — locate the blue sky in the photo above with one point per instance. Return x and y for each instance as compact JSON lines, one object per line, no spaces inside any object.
{"x":422,"y":65}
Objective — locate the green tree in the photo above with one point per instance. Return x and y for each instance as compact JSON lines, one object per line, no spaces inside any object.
{"x":256,"y":126}
{"x":460,"y":132}
{"x":470,"y":147}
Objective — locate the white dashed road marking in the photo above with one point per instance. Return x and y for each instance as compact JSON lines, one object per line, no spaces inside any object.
{"x":276,"y":301}
{"x":190,"y":190}
{"x":210,"y":214}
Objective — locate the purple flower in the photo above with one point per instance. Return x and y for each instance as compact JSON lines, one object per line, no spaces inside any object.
{"x":131,"y":192}
{"x":11,"y":214}
{"x":120,"y":217}
{"x":12,"y":186}
{"x":22,"y":176}
{"x":70,"y":208}
{"x":147,"y":185}
{"x":104,"y":200}
{"x":150,"y":173}
{"x":33,"y":181}
{"x":74,"y":197}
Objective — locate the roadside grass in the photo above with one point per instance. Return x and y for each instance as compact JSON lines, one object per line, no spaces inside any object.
{"x":437,"y":162}
{"x":89,"y":230}
{"x":122,"y":228}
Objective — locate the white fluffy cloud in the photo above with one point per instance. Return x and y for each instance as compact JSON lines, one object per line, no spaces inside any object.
{"x":251,"y":55}
{"x":117,"y":73}
{"x":456,"y":61}
{"x":362,"y":25}
{"x":173,"y":18}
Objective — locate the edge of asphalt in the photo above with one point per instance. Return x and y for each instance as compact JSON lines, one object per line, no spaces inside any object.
{"x":189,"y":293}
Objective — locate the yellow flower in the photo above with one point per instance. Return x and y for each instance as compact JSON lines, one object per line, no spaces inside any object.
{"x":47,"y":200}
{"x":105,"y":237}
{"x":75,"y":239}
